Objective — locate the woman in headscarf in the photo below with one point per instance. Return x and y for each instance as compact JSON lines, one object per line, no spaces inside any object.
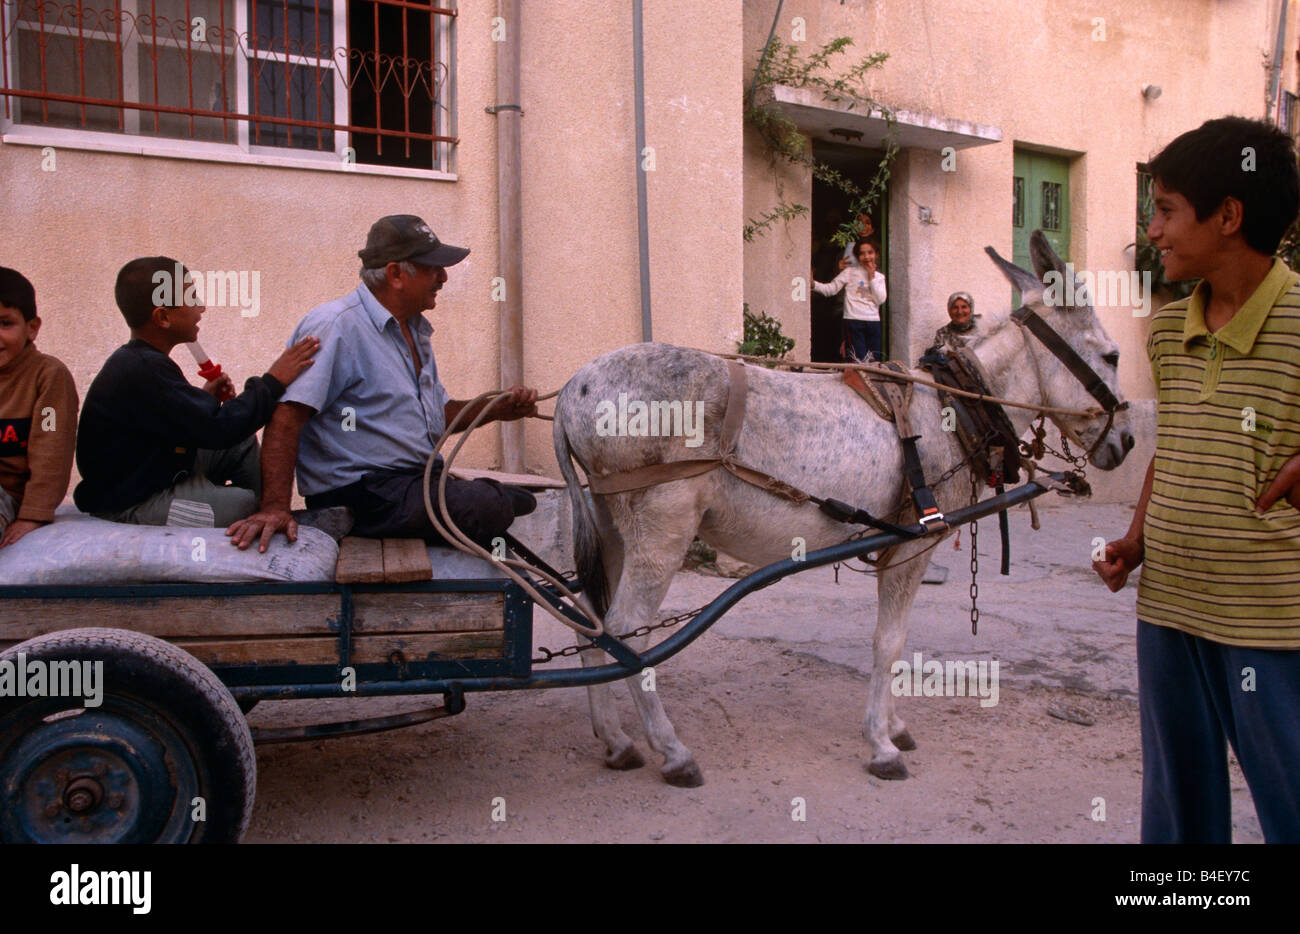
{"x":961,"y":313}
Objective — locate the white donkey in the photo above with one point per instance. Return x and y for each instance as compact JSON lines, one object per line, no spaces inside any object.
{"x":814,"y":432}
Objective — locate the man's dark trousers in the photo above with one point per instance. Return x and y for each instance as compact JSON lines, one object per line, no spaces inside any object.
{"x":390,"y":504}
{"x":1191,"y":694}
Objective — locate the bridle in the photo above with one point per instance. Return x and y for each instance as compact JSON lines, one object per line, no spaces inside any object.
{"x":1096,"y":387}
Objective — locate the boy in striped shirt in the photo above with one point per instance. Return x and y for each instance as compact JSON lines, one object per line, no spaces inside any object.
{"x":1217,"y":524}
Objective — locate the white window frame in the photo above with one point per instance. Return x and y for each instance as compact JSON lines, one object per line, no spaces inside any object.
{"x":242,"y":151}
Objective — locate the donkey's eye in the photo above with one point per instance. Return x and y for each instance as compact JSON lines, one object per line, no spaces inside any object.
{"x":1112,"y":358}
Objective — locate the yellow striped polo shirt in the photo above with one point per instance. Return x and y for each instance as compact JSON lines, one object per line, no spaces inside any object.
{"x":1228,"y":418}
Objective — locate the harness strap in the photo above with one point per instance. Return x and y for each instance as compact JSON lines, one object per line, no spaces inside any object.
{"x":983,"y":427}
{"x":891,"y":399}
{"x":853,"y":379}
{"x":625,"y":481}
{"x":927,"y":508}
{"x":734,"y":418}
{"x":638,"y":478}
{"x":1085,"y":374}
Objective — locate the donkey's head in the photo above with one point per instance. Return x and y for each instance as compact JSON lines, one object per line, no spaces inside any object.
{"x":1057,"y":296}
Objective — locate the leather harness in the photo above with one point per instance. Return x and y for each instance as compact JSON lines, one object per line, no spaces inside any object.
{"x":892,"y":400}
{"x":983,"y":428}
{"x":985,"y":431}
{"x":638,"y":478}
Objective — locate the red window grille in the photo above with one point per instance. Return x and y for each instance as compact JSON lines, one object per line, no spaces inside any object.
{"x":366,"y":80}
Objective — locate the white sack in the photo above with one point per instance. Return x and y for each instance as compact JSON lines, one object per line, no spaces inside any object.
{"x":80,"y":550}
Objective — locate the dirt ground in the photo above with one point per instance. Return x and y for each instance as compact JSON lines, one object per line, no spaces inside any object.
{"x":772,"y":717}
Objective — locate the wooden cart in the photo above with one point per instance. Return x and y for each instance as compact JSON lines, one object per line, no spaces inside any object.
{"x":152,"y":746}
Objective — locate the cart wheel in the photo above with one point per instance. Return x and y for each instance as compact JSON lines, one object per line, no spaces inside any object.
{"x":166,"y":757}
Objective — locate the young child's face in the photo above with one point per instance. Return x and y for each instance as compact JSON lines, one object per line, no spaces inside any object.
{"x":1187,"y":246}
{"x":15,"y":333}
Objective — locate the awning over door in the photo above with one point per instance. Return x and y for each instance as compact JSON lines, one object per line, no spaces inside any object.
{"x":823,"y":120}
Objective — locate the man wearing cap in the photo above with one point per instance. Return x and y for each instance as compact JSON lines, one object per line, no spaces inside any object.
{"x":361,"y":423}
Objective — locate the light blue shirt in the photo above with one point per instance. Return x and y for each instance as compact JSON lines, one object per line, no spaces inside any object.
{"x":372,"y":413}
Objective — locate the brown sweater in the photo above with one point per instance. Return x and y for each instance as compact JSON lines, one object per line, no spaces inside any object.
{"x":38,"y":432}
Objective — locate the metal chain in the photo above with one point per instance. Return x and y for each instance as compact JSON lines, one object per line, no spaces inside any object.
{"x":974,"y":561}
{"x":639,"y":631}
{"x":1035,"y":449}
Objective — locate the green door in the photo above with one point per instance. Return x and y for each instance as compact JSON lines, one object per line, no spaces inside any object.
{"x":1040,"y":201}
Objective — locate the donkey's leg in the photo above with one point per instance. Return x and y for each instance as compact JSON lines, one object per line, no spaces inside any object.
{"x":620,"y":751}
{"x":666,"y":521}
{"x":883,"y":727}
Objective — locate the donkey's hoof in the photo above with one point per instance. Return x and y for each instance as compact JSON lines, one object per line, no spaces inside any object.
{"x":686,"y":775}
{"x":889,"y":769}
{"x":903,"y":741}
{"x":625,"y":761}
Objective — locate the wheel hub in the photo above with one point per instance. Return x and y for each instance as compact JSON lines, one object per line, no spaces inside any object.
{"x":103,"y":776}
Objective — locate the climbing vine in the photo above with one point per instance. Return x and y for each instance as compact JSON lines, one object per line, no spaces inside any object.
{"x":783,"y":65}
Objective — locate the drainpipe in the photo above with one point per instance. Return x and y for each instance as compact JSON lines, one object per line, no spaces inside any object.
{"x":1275,"y":80}
{"x":642,"y":221}
{"x":510,"y":227}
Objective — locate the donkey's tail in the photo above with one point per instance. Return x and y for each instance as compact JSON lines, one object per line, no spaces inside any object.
{"x":586,"y":540}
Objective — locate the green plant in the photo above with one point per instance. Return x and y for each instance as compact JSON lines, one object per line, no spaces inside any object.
{"x":763,"y":337}
{"x":1289,"y":249}
{"x":783,"y":65}
{"x":782,"y":212}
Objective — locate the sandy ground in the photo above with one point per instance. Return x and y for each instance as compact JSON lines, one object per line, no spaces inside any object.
{"x":771,"y":702}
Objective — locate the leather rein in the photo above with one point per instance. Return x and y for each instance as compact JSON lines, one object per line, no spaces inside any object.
{"x":1092,"y":382}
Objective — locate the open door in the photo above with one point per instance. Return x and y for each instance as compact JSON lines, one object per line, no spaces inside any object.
{"x":829,"y":208}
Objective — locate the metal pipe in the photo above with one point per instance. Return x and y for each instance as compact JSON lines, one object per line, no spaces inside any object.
{"x":642,"y":220}
{"x":510,"y":227}
{"x":753,"y":85}
{"x":1278,"y":50}
{"x":581,"y":677}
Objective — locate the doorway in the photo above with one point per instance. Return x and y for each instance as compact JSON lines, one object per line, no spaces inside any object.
{"x":830,"y":208}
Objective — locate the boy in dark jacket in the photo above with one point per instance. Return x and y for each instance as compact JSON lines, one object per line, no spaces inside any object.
{"x":155,"y":450}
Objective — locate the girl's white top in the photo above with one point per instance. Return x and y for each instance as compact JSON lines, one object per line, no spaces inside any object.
{"x":862,"y":299}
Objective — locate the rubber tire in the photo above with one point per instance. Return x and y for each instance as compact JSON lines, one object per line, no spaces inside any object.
{"x":175,"y":685}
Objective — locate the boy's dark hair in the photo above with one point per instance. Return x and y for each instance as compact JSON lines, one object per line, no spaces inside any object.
{"x":17,"y":292}
{"x":137,"y":285}
{"x":1235,"y":157}
{"x":871,"y":242}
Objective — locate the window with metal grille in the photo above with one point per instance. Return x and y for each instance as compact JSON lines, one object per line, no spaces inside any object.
{"x":1287,"y":113}
{"x":364,"y":81}
{"x":1051,"y":206}
{"x":1017,"y":202}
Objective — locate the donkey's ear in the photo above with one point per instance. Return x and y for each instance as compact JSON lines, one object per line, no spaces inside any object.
{"x":1043,"y":257}
{"x":1025,"y":282}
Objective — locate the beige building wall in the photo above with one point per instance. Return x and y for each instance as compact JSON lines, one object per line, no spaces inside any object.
{"x":1028,"y":67}
{"x":1061,"y":78}
{"x":71,"y":229}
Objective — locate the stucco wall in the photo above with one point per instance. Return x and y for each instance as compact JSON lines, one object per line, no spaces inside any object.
{"x":1029,"y":67}
{"x":1033,"y":69}
{"x":71,"y":230}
